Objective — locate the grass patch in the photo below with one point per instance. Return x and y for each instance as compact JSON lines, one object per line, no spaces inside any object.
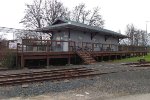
{"x":134,"y":59}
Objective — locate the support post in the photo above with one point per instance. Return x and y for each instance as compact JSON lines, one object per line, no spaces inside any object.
{"x":129,"y":55}
{"x":69,"y":53}
{"x":47,"y":50}
{"x":75,"y":59}
{"x":22,"y":57}
{"x":97,"y":59}
{"x":116,"y":57}
{"x":17,"y":56}
{"x":102,"y":58}
{"x":102,"y":47}
{"x":82,"y":45}
{"x":47,"y":61}
{"x":125,"y":55}
{"x":121,"y":56}
{"x":22,"y":61}
{"x":109,"y":57}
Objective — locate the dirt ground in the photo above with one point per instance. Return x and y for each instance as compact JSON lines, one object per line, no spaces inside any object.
{"x":47,"y":97}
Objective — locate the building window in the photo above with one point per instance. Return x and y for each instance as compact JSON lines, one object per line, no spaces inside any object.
{"x":58,"y":38}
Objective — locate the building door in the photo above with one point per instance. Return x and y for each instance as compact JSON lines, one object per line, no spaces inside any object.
{"x":65,"y":44}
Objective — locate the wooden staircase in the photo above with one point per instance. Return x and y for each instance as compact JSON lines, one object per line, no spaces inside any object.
{"x":86,"y":57}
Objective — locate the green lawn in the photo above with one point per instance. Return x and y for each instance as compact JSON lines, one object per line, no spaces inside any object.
{"x":134,"y":59}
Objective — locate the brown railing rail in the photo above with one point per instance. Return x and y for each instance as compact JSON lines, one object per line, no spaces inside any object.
{"x":30,"y":45}
{"x":132,"y":48}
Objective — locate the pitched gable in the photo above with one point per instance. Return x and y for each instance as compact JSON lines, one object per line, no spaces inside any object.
{"x":59,"y":21}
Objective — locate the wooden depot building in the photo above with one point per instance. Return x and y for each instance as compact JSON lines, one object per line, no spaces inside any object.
{"x":74,"y":43}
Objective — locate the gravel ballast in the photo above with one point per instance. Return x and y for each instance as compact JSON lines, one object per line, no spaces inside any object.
{"x":93,"y":88}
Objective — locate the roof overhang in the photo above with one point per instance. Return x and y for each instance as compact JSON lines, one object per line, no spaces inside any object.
{"x":86,"y":28}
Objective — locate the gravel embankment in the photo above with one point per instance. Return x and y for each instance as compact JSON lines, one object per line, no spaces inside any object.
{"x":94,"y":88}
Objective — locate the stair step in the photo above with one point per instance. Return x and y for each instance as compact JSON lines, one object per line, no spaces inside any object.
{"x":89,"y":60}
{"x":86,"y":57}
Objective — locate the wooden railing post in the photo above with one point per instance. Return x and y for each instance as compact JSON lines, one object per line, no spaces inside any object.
{"x":69,"y":46}
{"x":47,"y":45}
{"x":102,"y":47}
{"x":52,"y":44}
{"x":47,"y":55}
{"x":17,"y":55}
{"x":22,"y":48}
{"x":82,"y":45}
{"x":22,"y":58}
{"x":92,"y":46}
{"x":109,"y":48}
{"x":69,"y":60}
{"x":75,"y":45}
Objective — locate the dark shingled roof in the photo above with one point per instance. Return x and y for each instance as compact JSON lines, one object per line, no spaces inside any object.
{"x":61,"y":24}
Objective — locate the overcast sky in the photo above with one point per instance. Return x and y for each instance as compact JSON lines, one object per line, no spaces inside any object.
{"x":116,"y":13}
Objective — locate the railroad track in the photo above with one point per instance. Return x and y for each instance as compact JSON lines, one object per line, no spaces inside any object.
{"x":135,"y":63}
{"x":32,"y":73}
{"x":52,"y":75}
{"x":138,"y":64}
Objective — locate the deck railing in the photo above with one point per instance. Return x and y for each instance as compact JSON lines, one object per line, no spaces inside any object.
{"x":45,"y":46}
{"x":30,"y":45}
{"x":132,"y":48}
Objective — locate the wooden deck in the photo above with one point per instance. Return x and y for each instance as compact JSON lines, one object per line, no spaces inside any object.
{"x":99,"y":56}
{"x":47,"y":49}
{"x":39,"y":55}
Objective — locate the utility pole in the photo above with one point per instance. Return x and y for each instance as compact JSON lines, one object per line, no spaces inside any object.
{"x":146,"y":25}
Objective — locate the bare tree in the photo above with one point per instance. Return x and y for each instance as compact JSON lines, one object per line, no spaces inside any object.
{"x":89,"y":17}
{"x":136,"y":36}
{"x":96,"y":18}
{"x":34,"y":15}
{"x":79,"y":14}
{"x":40,"y":14}
{"x":130,"y":31}
{"x":53,"y":10}
{"x":144,"y":38}
{"x":43,"y":13}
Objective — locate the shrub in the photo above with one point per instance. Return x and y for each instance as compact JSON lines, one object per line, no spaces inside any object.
{"x":9,"y":60}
